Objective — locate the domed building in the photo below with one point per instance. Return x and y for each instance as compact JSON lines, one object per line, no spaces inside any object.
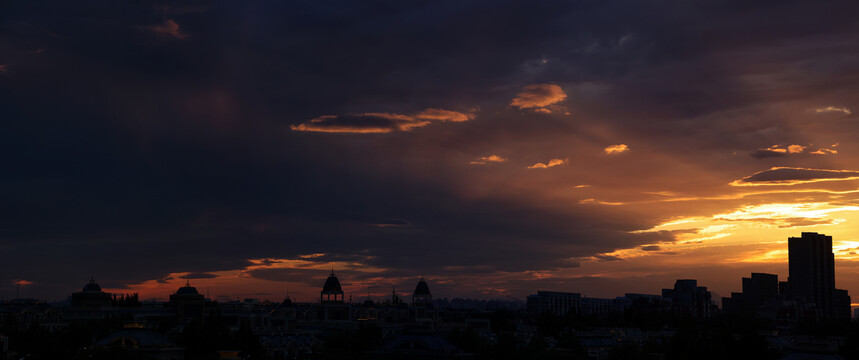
{"x":283,"y":315}
{"x":422,"y":295}
{"x":187,"y":302}
{"x":331,"y":306}
{"x":332,"y":292}
{"x":91,"y":296}
{"x":423,"y":308}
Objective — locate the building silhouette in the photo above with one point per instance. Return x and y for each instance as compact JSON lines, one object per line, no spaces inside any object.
{"x":688,"y":298}
{"x":811,"y":278}
{"x":422,"y":303}
{"x":331,"y":304}
{"x":91,"y":296}
{"x":187,"y":302}
{"x":760,"y":295}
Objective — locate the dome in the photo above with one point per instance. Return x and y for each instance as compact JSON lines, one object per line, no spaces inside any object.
{"x":187,"y":290}
{"x":422,"y":288}
{"x":92,"y":287}
{"x":332,"y":284}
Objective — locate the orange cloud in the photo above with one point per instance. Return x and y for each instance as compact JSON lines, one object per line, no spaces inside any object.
{"x":827,"y":109}
{"x":796,"y":149}
{"x":22,"y":282}
{"x":778,"y":151}
{"x":599,"y":202}
{"x":379,"y":123}
{"x":552,"y":163}
{"x":488,"y":159}
{"x":776,"y":148}
{"x":168,"y":29}
{"x":3,"y":68}
{"x":824,"y":151}
{"x":538,"y":97}
{"x":443,"y":115}
{"x":616,"y":149}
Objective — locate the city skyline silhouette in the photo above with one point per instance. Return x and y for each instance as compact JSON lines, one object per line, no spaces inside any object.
{"x":495,"y":148}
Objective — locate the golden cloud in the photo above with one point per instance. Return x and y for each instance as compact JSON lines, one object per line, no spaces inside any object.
{"x":616,"y":149}
{"x":538,"y":97}
{"x":796,"y":149}
{"x":779,"y":151}
{"x":168,"y":29}
{"x":552,"y":163}
{"x":379,"y":123}
{"x":599,"y":202}
{"x":824,"y":152}
{"x":776,"y":148}
{"x":828,"y":109}
{"x":489,"y":159}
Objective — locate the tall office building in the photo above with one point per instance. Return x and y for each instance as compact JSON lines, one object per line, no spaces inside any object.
{"x":812,"y":274}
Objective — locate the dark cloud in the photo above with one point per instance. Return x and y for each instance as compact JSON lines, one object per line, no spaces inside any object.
{"x":604,"y":257}
{"x":361,"y":123}
{"x":788,"y":176}
{"x":651,"y":248}
{"x":200,"y":276}
{"x":766,"y":153}
{"x":168,"y":29}
{"x":311,"y":277}
{"x":167,"y":140}
{"x":379,"y":122}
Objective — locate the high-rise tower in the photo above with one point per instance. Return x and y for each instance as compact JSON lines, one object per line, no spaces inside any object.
{"x":812,"y":273}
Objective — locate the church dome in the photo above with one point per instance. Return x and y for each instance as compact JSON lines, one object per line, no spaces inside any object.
{"x":332,"y":284}
{"x":92,"y":287}
{"x":422,"y":288}
{"x":187,"y":290}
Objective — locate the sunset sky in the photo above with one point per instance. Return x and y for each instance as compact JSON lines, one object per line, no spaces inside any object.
{"x":497,"y":148}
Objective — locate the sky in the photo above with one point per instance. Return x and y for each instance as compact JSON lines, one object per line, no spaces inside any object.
{"x":495,"y":148}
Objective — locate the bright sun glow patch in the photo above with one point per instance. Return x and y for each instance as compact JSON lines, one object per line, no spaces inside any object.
{"x":782,"y":214}
{"x":749,"y":227}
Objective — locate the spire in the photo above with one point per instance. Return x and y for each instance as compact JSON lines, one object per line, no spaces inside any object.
{"x":91,"y":278}
{"x":332,"y":271}
{"x":188,"y":280}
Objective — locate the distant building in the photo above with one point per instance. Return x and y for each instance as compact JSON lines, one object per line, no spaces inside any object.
{"x":558,"y":303}
{"x":141,"y":343}
{"x":759,"y":291}
{"x":91,"y":296}
{"x":562,"y":303}
{"x":4,"y":347}
{"x":283,"y":316}
{"x":689,"y":298}
{"x":812,"y":275}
